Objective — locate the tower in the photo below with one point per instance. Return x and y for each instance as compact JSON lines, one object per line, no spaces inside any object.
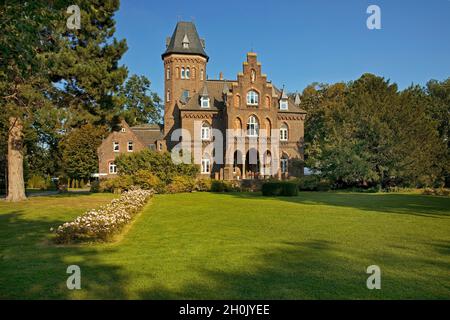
{"x":185,"y":62}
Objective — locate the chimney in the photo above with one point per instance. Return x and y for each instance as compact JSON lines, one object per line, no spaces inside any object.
{"x":220,"y":75}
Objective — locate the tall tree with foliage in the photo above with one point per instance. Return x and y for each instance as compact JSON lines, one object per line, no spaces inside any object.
{"x":79,"y":151}
{"x":138,"y":104}
{"x":45,"y":66}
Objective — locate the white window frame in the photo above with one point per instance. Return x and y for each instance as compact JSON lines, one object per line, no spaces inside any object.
{"x":283,"y":105}
{"x":284,"y":165}
{"x":130,"y":143}
{"x":112,"y":168}
{"x":168,"y":74}
{"x":116,"y":144}
{"x":123,"y":130}
{"x":187,"y":73}
{"x":204,"y":102}
{"x":252,"y":98}
{"x":284,"y":133}
{"x":206,"y":165}
{"x":252,"y":127}
{"x":206,"y":131}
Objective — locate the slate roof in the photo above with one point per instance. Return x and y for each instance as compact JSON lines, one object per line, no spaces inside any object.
{"x":214,"y":89}
{"x":185,"y":31}
{"x":148,"y":133}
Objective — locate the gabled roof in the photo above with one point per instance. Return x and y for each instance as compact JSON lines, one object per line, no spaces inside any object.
{"x":148,"y":133}
{"x":214,"y":90}
{"x":185,"y":31}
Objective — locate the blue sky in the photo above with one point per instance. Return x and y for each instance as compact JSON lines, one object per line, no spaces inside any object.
{"x":298,"y":42}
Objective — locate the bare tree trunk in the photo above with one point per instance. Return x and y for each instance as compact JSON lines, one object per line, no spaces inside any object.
{"x":16,"y":186}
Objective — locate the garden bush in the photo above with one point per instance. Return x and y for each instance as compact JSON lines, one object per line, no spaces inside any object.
{"x":37,"y":182}
{"x":117,"y":184}
{"x":101,"y":224}
{"x":181,"y":184}
{"x":280,"y":188}
{"x":147,"y":181}
{"x":203,"y":184}
{"x":221,"y":186}
{"x":313,"y":183}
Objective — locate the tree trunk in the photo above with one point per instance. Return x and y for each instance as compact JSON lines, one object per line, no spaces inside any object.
{"x":16,"y":186}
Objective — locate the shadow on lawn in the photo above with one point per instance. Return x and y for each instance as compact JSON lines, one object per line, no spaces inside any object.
{"x":305,"y":270}
{"x":33,"y":268}
{"x":417,"y":205}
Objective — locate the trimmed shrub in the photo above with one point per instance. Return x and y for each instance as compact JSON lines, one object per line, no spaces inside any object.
{"x":281,"y":188}
{"x":181,"y":184}
{"x":117,"y":184}
{"x":221,"y":186}
{"x":313,"y":183}
{"x":148,"y":181}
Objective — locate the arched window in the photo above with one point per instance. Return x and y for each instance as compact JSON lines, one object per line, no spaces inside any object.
{"x":206,"y":164}
{"x":168,"y":73}
{"x":252,"y":127}
{"x":253,"y":76}
{"x":201,"y":74}
{"x":206,"y":131}
{"x":168,"y":95}
{"x":284,"y":132}
{"x":238,"y":124}
{"x":183,"y":75}
{"x":188,"y":73}
{"x":252,"y":98}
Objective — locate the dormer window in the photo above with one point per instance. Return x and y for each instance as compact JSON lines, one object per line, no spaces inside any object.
{"x":204,"y":102}
{"x":123,"y":130}
{"x":252,"y":98}
{"x":185,"y":42}
{"x":283,"y":104}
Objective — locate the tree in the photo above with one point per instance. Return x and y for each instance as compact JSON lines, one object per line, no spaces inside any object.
{"x":138,"y":104}
{"x":366,"y":133}
{"x":37,"y":52}
{"x":79,"y":151}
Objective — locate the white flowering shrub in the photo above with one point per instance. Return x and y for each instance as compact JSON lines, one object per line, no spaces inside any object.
{"x":102,"y":223}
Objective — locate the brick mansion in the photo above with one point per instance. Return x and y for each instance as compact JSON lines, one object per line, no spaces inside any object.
{"x":250,"y":104}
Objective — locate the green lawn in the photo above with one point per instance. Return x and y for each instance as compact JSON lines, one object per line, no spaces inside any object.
{"x":243,"y":246}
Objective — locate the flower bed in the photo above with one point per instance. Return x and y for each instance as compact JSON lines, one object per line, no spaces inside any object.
{"x":102,"y":223}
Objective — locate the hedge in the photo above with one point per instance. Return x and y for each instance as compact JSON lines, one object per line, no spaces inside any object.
{"x":281,"y":188}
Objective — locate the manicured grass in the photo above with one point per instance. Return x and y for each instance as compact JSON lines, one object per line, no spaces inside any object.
{"x":243,"y":246}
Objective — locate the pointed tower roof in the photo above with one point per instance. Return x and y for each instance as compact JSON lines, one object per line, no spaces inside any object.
{"x":185,"y":32}
{"x":297,"y":99}
{"x":284,"y":95}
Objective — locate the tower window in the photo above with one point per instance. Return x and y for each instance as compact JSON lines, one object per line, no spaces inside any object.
{"x":168,"y":95}
{"x":168,"y":74}
{"x":188,"y":73}
{"x":183,"y":74}
{"x":201,"y":74}
{"x":205,"y":131}
{"x":186,"y":95}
